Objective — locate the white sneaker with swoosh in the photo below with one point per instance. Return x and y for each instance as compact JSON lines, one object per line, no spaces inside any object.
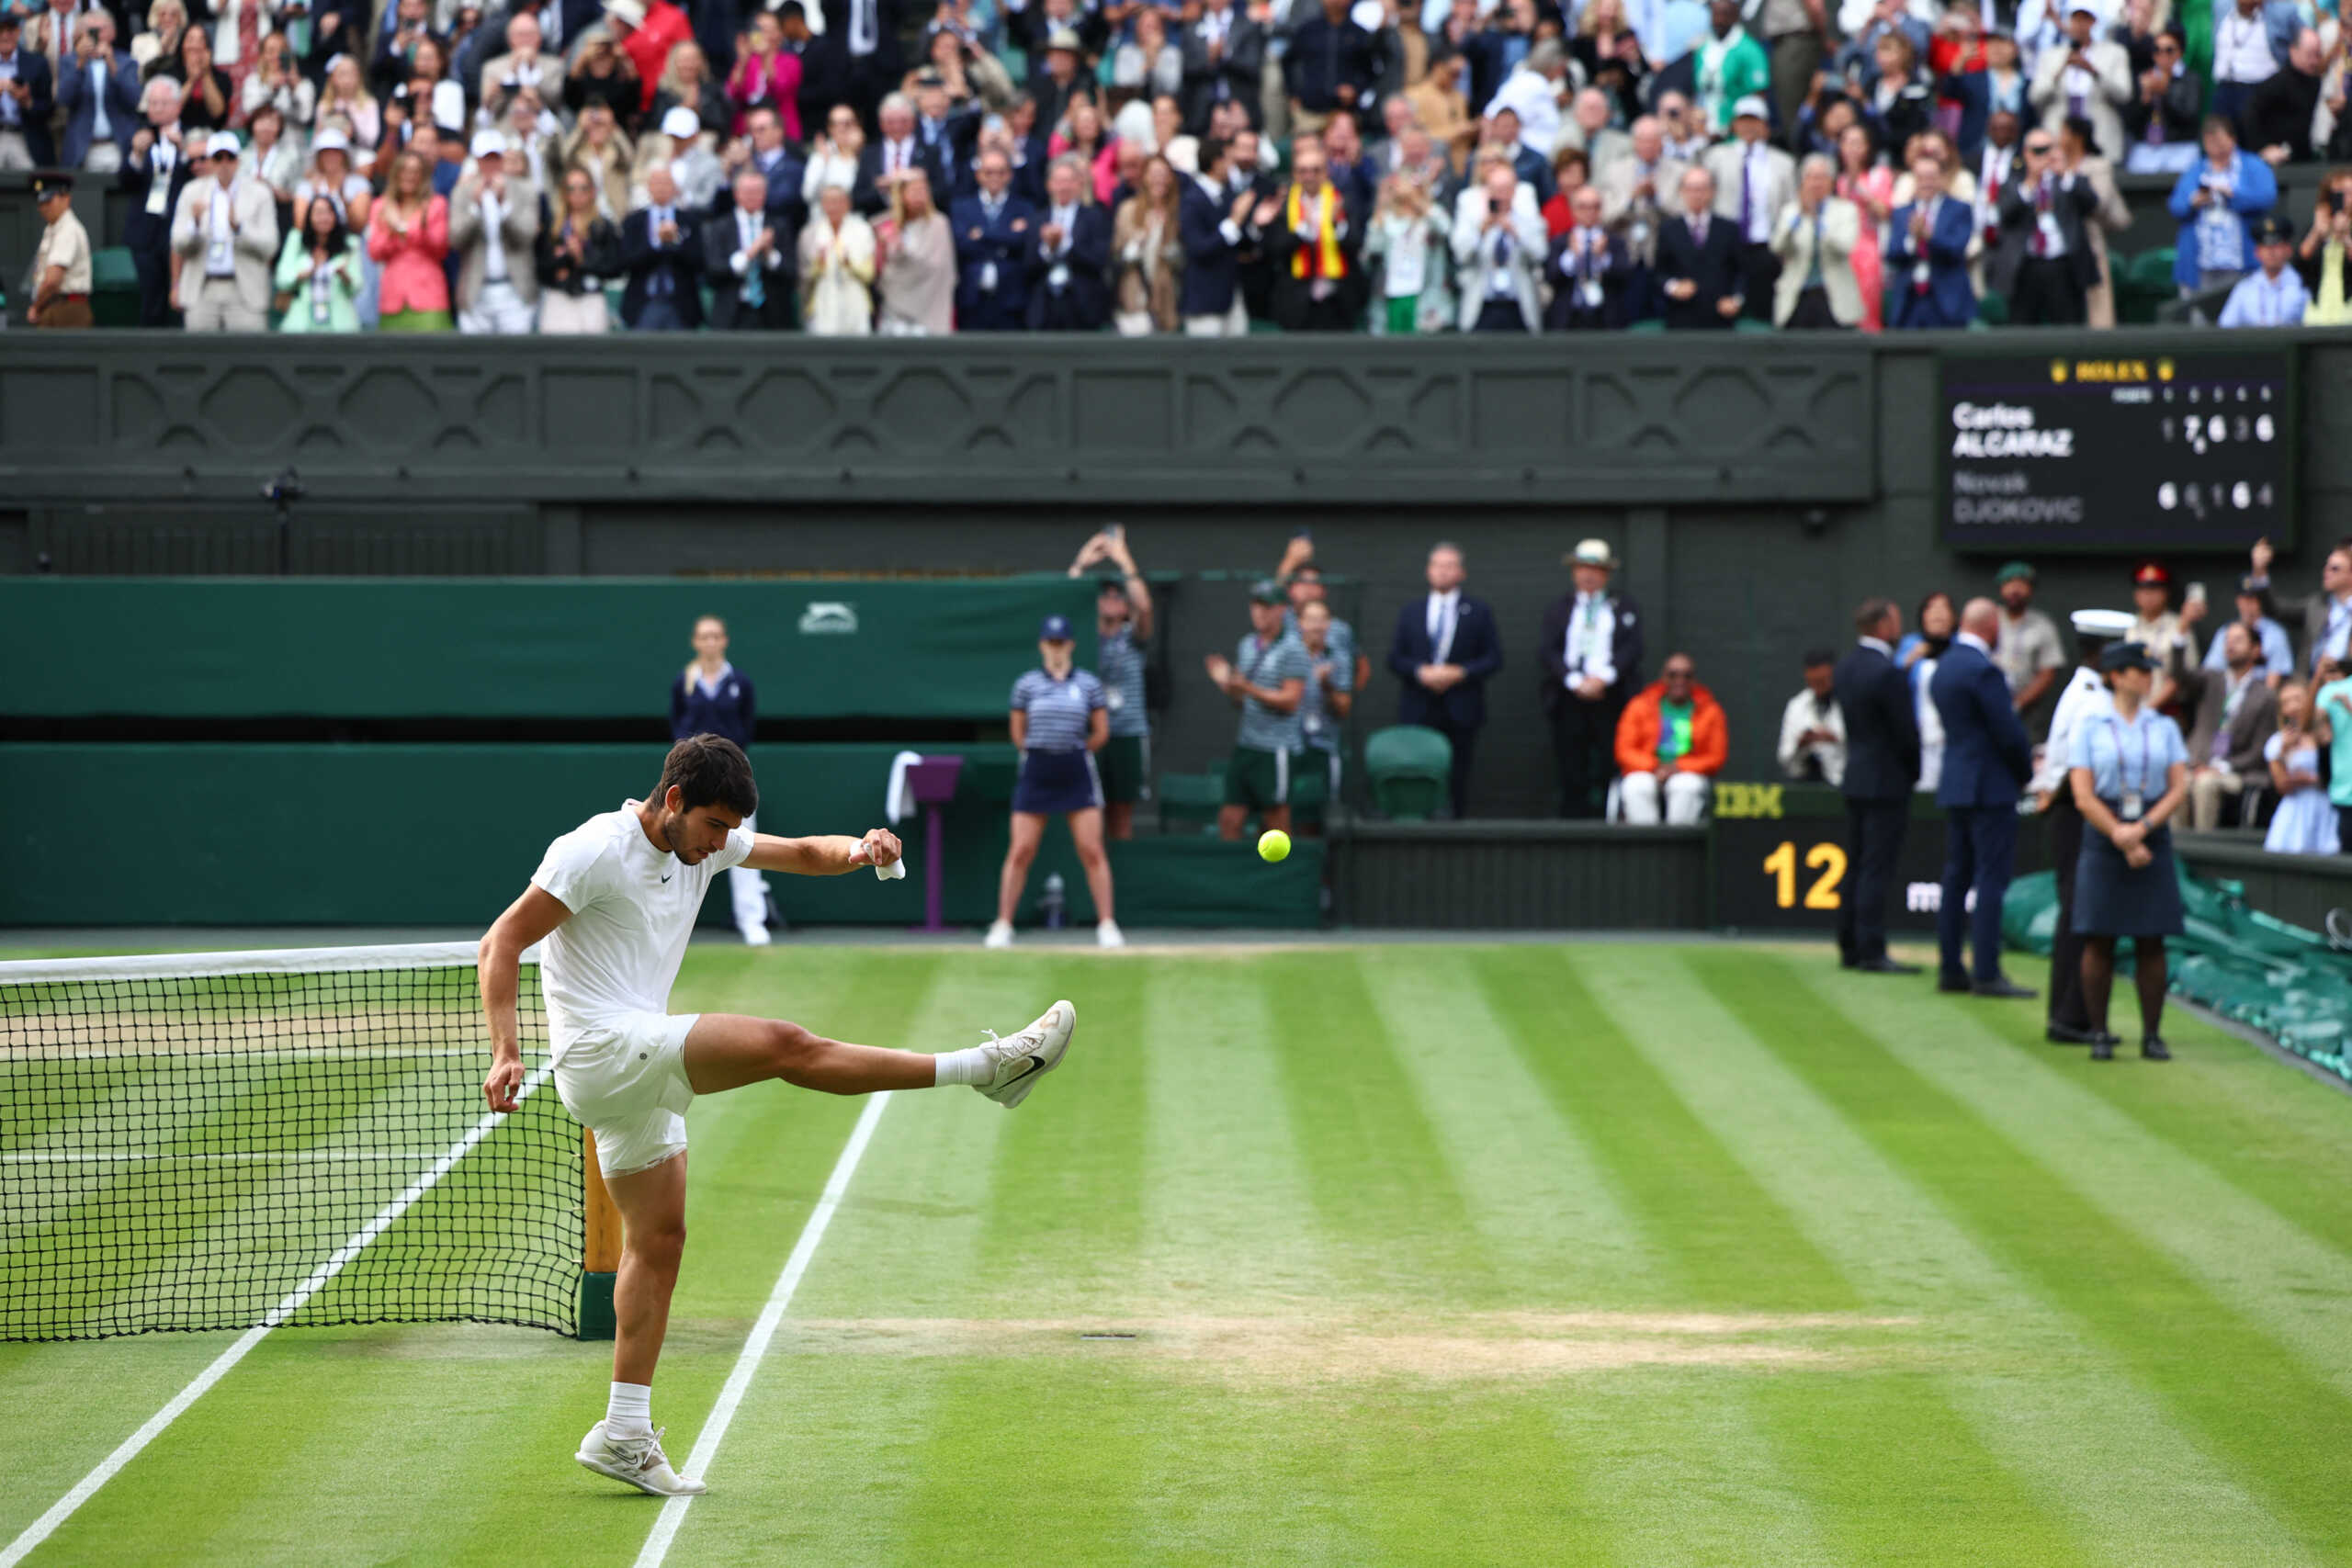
{"x":636,"y":1461}
{"x":1024,"y":1058}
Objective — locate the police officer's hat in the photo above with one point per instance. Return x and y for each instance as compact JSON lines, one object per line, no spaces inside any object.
{"x":46,"y":185}
{"x":2102,"y":626}
{"x":2124,"y":656}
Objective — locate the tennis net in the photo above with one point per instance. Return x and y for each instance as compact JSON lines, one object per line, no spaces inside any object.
{"x":209,"y":1141}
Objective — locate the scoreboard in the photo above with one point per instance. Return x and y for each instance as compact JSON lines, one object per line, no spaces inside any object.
{"x":2181,"y":451}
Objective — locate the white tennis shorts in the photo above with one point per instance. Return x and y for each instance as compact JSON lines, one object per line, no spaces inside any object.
{"x":625,"y":1080}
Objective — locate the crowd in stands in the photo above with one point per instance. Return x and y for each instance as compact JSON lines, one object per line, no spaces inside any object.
{"x":2266,"y":710}
{"x":2268,"y":716}
{"x":1388,"y":166}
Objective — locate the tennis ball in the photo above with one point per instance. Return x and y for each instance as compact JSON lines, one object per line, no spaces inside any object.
{"x":1274,"y":844}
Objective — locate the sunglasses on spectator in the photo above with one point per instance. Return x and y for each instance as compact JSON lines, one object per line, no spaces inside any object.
{"x":2038,"y":149}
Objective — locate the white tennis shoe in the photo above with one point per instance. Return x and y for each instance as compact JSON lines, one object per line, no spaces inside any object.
{"x":1029,"y":1055}
{"x":1000,"y":934}
{"x":1107,"y":934}
{"x":636,"y":1461}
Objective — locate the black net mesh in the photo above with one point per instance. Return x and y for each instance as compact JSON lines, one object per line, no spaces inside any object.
{"x":213,"y":1151}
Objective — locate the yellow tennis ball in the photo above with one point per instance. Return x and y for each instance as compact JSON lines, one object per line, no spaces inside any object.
{"x":1274,"y":844}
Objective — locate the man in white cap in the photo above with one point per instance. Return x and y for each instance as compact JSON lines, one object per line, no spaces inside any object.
{"x":1590,"y":654}
{"x":493,"y":228}
{"x":1754,"y":180}
{"x":698,"y":170}
{"x":225,"y":233}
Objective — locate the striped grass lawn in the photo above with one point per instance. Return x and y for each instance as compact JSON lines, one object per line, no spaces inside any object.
{"x":1605,"y":1253}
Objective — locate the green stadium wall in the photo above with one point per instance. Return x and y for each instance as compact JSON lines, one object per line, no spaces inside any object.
{"x":400,"y":835}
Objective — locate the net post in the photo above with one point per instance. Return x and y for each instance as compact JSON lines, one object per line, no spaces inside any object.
{"x":601,"y":1245}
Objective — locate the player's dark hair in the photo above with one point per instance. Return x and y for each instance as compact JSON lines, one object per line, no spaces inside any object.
{"x":1873,"y":610}
{"x":709,"y":770}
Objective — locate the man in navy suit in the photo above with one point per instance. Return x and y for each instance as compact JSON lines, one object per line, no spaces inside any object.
{"x":1588,"y":270}
{"x":662,"y":255}
{"x":1444,"y":650}
{"x":1698,"y":259}
{"x":1987,"y":759}
{"x":1069,"y":261}
{"x":1213,"y":230}
{"x":1882,"y":770}
{"x":993,"y":232}
{"x":27,"y":95}
{"x":153,"y":176}
{"x":1931,"y":232}
{"x":80,"y":93}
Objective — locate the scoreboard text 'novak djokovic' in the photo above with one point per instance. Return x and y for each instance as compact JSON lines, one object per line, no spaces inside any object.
{"x":2162,"y":452}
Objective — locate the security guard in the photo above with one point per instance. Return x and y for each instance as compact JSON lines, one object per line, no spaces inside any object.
{"x":2130,"y":773}
{"x":62,"y":268}
{"x":710,"y":697}
{"x":2084,"y":696}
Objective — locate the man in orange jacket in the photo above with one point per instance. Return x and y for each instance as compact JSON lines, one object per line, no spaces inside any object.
{"x":1670,"y":744}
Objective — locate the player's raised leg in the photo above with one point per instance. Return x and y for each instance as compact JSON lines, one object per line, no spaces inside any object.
{"x":726,"y":1051}
{"x":626,"y":1445}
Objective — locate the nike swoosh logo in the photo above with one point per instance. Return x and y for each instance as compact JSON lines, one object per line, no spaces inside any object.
{"x":665,"y":881}
{"x":1037,"y":1066}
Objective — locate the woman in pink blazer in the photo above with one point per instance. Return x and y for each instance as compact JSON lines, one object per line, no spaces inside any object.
{"x":408,"y":236}
{"x":767,"y":74}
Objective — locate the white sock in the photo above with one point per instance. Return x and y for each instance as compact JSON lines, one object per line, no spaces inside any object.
{"x":628,"y":1413}
{"x":971,"y":1067}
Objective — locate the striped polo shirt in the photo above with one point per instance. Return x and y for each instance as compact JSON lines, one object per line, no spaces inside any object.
{"x":1269,"y":665}
{"x":1121,"y":662}
{"x":1340,"y":639}
{"x":1057,"y":710}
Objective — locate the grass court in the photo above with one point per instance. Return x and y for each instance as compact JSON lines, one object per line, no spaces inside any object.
{"x":1585,"y":1253}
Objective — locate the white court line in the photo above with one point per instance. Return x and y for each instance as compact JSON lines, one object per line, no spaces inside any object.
{"x":40,"y":1529}
{"x":739,"y":1382}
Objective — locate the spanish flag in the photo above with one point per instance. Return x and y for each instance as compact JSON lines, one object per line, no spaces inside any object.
{"x":1323,"y":258}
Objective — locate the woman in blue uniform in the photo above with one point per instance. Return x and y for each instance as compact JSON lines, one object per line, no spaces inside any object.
{"x":2130,"y":773}
{"x":1060,"y":719}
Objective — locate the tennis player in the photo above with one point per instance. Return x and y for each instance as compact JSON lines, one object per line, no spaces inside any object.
{"x":614,"y":900}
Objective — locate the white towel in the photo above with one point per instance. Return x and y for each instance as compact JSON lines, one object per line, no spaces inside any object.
{"x":900,"y":800}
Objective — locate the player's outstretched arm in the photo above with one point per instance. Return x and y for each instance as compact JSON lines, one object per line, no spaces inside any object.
{"x":529,"y":919}
{"x":828,"y":854}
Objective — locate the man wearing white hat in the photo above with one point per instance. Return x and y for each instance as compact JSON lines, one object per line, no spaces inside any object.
{"x":493,"y":228}
{"x":225,"y":233}
{"x":1754,"y":180}
{"x":700,"y":175}
{"x":1591,"y":659}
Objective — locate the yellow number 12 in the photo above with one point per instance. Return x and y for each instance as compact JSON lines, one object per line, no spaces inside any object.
{"x":1827,"y":859}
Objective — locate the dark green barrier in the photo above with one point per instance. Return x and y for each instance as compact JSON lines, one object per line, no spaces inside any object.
{"x":448,"y":835}
{"x":529,"y":647}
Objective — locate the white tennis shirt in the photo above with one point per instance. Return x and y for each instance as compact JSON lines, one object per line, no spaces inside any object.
{"x":633,"y":906}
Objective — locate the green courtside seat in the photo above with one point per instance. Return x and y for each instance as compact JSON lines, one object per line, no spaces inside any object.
{"x":1650,"y":324}
{"x":113,"y":287}
{"x":1994,"y":310}
{"x":1408,"y":767}
{"x":1189,"y":802}
{"x":1750,"y":324}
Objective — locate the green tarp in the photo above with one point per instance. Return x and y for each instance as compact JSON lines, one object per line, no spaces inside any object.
{"x":531,"y":648}
{"x":448,"y":835}
{"x":2288,"y":982}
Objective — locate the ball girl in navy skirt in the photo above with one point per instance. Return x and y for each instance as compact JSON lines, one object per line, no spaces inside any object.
{"x":2130,"y":773}
{"x":1059,"y":720}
